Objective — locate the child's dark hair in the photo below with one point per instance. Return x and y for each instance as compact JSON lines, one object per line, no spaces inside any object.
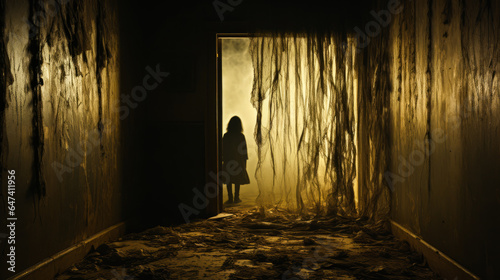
{"x":234,"y":125}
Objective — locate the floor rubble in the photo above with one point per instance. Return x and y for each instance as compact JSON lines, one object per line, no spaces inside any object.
{"x":256,"y":244}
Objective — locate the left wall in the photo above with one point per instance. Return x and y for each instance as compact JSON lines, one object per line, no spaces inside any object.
{"x":59,"y":127}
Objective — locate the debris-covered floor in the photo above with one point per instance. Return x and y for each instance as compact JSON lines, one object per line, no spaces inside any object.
{"x":254,"y":243}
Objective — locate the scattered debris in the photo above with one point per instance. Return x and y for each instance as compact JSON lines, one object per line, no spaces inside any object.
{"x":256,"y":243}
{"x":221,"y":216}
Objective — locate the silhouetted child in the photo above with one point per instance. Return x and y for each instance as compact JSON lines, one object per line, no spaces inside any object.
{"x":234,"y":156}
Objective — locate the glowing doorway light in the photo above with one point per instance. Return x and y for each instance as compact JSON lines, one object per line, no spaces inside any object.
{"x":237,"y":79}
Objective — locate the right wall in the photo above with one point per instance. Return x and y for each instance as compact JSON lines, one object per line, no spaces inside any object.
{"x":444,"y":128}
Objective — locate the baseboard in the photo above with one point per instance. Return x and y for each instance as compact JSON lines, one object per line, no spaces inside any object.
{"x":438,"y":262}
{"x":59,"y":262}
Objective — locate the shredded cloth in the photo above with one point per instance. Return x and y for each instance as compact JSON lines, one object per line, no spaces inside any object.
{"x":304,"y":91}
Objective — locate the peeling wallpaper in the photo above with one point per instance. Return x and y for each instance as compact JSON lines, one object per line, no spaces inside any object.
{"x":60,"y":128}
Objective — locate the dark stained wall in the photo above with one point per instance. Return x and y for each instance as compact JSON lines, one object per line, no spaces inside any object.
{"x":60,"y":128}
{"x":445,"y":128}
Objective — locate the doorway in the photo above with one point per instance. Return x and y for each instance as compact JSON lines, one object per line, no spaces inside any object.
{"x":236,"y":76}
{"x":235,"y":81}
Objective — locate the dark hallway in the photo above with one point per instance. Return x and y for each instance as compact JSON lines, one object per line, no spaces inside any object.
{"x":368,"y":145}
